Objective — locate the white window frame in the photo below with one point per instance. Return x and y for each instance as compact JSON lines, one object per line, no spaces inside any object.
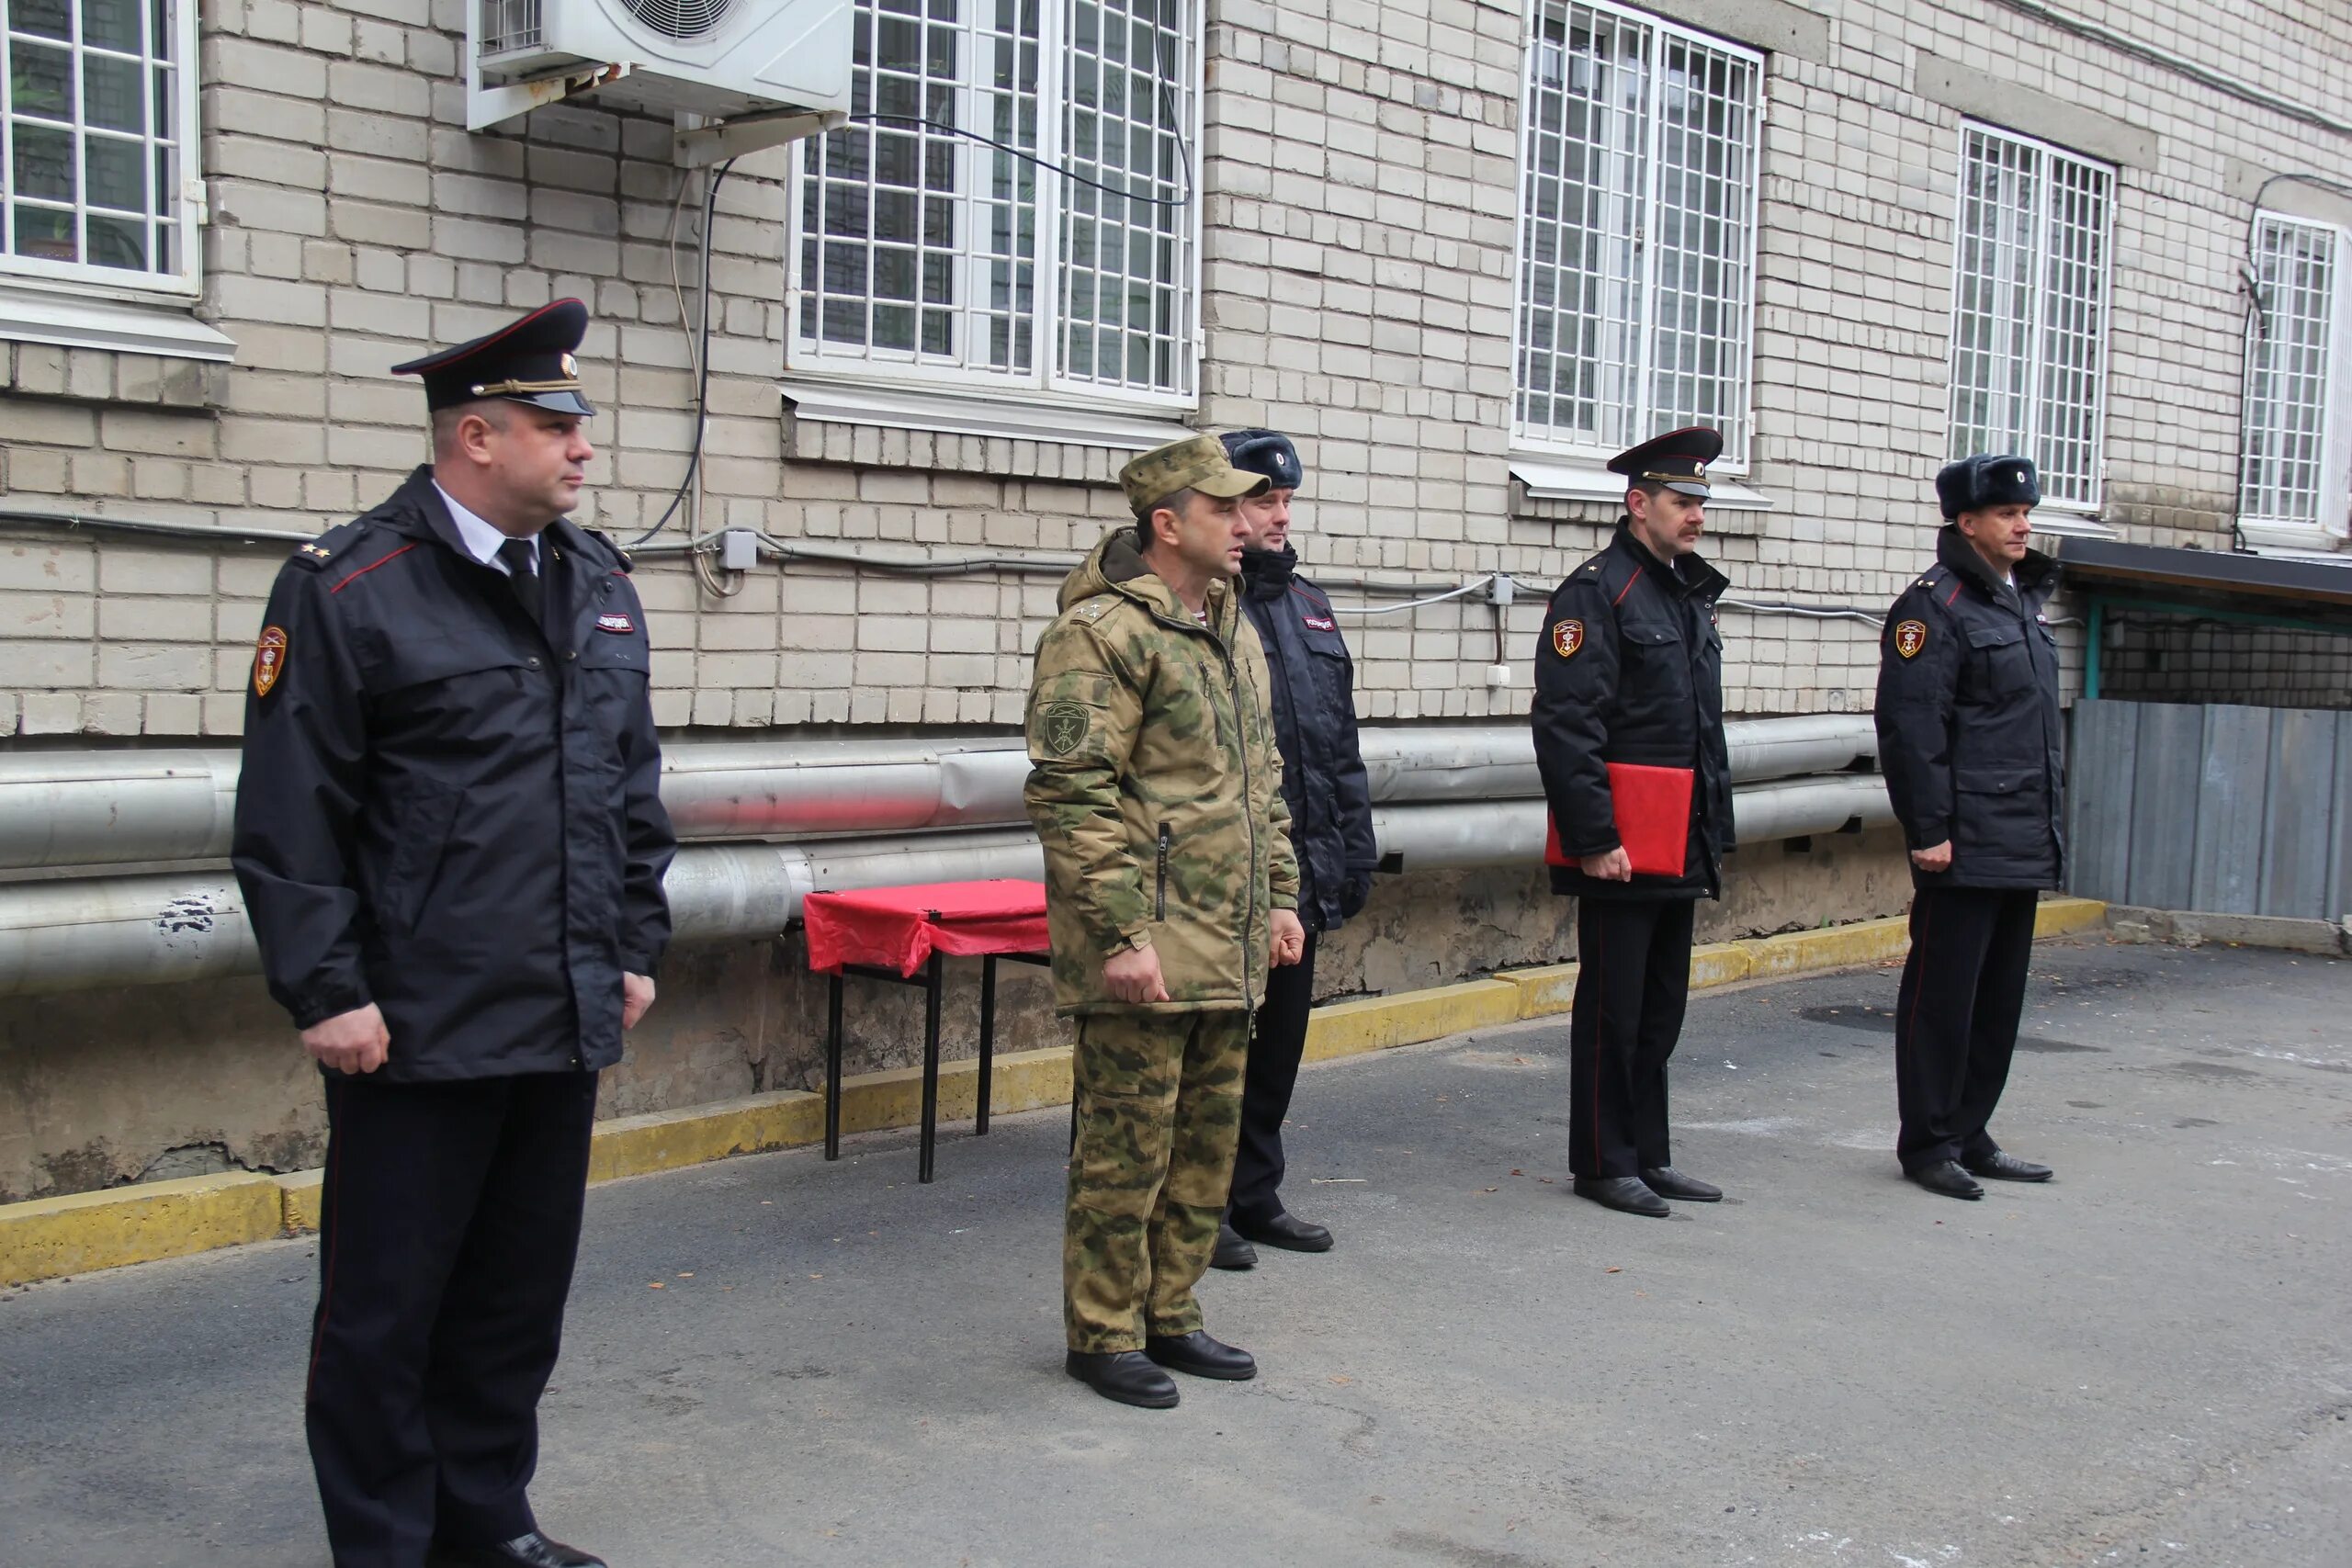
{"x":2333,"y":502}
{"x":186,"y":202}
{"x":941,"y":389}
{"x":1559,"y":465}
{"x":2087,"y":502}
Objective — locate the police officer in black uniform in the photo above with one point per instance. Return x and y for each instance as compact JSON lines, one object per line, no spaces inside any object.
{"x":1330,"y":829}
{"x":1968,"y":739}
{"x":451,"y":843}
{"x":1630,"y":669}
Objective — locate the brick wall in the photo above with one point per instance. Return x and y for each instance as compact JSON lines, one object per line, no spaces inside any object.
{"x":1360,"y":189}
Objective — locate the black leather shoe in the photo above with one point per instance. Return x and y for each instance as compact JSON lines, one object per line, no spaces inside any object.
{"x":1668,"y":1182}
{"x":1999,"y":1166}
{"x":1285,"y":1230}
{"x":1126,"y":1376}
{"x":532,"y":1551}
{"x":1202,"y":1357}
{"x":1626,"y":1194}
{"x":1946,"y":1176}
{"x":1233,"y":1250}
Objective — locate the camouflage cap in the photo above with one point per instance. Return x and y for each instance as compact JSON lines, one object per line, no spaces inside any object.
{"x":1196,"y":463}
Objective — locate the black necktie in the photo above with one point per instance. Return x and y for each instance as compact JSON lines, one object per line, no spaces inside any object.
{"x":522,"y":573}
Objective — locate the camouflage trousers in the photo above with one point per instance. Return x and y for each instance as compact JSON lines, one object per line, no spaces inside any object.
{"x":1158,"y":1112}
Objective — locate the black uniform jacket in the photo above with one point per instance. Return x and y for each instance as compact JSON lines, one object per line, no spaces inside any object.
{"x":1315,"y":728}
{"x":444,"y":809}
{"x":1630,"y":668}
{"x":1968,"y":719}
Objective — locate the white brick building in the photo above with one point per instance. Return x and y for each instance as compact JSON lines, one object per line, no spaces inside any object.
{"x":1458,"y":249}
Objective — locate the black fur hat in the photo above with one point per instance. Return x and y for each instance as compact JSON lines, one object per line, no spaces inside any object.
{"x":1973,"y":483}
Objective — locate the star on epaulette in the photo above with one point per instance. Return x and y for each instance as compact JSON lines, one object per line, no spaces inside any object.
{"x":319,"y":550}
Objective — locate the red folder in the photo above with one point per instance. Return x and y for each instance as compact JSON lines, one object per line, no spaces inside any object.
{"x":1653,"y":810}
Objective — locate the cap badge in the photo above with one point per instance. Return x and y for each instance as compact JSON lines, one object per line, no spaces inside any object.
{"x":570,"y":367}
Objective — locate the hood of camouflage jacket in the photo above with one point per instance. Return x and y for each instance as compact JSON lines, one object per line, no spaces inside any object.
{"x":1156,"y":788}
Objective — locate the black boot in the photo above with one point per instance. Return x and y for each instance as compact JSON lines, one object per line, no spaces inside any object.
{"x":1126,"y":1376}
{"x":1202,"y":1357}
{"x":1285,"y":1230}
{"x":531,"y":1551}
{"x":2000,"y":1165}
{"x":1626,"y":1194}
{"x":1668,"y":1182}
{"x":1946,"y":1176}
{"x":1233,"y":1250}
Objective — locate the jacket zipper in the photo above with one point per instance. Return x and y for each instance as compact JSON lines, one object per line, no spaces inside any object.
{"x":1160,"y":906}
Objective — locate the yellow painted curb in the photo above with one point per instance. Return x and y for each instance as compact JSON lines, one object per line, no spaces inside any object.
{"x":1545,"y":990}
{"x":2065,"y":917}
{"x":1376,"y":1023}
{"x":49,"y":1237}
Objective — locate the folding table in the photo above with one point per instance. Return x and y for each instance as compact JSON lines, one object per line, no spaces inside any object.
{"x":900,"y":935}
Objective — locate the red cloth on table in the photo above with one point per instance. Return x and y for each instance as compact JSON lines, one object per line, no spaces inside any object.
{"x":899,"y":928}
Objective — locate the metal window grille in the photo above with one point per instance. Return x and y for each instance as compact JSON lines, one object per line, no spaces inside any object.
{"x":97,"y":137}
{"x":2030,"y":309}
{"x":1637,"y":231}
{"x":928,"y":255}
{"x":2290,"y":386}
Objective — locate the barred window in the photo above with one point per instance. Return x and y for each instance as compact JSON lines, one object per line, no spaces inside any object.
{"x":97,"y":127}
{"x":2297,"y":416}
{"x":2030,"y":308}
{"x":1637,"y":231}
{"x":927,"y":255}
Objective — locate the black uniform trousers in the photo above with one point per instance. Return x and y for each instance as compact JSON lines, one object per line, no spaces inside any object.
{"x":1633,"y":983}
{"x":447,"y":1226}
{"x":1956,"y":1017}
{"x":1277,"y":1044}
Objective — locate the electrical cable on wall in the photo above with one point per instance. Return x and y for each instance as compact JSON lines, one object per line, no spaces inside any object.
{"x":698,"y":353}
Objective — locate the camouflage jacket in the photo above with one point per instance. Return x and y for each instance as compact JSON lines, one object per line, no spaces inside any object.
{"x":1156,"y":788}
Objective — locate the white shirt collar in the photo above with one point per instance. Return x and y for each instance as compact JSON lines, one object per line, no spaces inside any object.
{"x":482,"y":539}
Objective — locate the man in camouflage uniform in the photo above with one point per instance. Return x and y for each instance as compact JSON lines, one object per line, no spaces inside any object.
{"x":1169,"y":888}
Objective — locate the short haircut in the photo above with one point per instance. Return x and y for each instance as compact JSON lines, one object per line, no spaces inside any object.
{"x":1651,"y":487}
{"x":446,"y":420}
{"x":1175,"y":501}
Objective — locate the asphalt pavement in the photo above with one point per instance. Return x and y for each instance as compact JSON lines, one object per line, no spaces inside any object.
{"x":775,"y":1360}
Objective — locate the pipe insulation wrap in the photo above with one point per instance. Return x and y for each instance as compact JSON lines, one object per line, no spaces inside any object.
{"x":63,"y":936}
{"x":92,"y":808}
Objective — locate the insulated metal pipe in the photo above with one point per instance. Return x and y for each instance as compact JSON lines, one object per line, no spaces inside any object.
{"x":92,"y":808}
{"x":63,"y":936}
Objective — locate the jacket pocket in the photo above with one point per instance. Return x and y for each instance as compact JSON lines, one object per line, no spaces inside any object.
{"x":2000,"y":659}
{"x":426,"y":826}
{"x":1160,"y":898}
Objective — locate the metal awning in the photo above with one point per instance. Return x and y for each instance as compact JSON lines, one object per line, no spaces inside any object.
{"x":2280,"y":593}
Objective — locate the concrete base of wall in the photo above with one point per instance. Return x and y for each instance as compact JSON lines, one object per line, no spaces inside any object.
{"x":2185,"y":928}
{"x":147,"y":1084}
{"x":52,"y":1237}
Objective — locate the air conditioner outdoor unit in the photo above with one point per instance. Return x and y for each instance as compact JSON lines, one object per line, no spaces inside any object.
{"x":720,"y":58}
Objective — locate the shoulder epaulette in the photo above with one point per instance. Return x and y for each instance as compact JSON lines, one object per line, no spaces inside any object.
{"x":620,"y":556}
{"x":1094,"y":609}
{"x":331,"y":544}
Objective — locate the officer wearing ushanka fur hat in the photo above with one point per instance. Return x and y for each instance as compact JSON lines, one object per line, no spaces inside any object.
{"x":1968,"y":739}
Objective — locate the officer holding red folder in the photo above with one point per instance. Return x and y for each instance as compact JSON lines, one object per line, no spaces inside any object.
{"x":1629,"y":721}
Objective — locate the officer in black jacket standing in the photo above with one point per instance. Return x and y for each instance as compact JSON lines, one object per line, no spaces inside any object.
{"x":1330,"y":829}
{"x":451,"y":842}
{"x":1968,"y":739}
{"x":1630,"y":669}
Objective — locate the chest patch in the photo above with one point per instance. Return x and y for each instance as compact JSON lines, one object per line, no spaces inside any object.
{"x":1316,"y":623}
{"x":1061,"y":726}
{"x":270,"y":660}
{"x":614,"y":622}
{"x":1910,"y":636}
{"x":1568,"y":636}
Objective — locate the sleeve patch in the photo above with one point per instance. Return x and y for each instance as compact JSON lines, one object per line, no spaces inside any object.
{"x":1062,"y":727}
{"x":270,"y":660}
{"x":1568,"y":636}
{"x":1910,"y":636}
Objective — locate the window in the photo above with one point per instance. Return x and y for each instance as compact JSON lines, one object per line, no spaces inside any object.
{"x":2298,"y":446}
{"x":98,"y":131}
{"x":2030,"y":301}
{"x":1637,"y":232}
{"x":926,"y":255}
